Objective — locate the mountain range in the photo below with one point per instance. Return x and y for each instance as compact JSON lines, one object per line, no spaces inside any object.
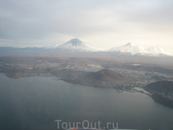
{"x":139,"y":50}
{"x":77,"y":45}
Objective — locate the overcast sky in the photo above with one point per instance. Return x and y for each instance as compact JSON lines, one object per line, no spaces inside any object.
{"x":98,"y":23}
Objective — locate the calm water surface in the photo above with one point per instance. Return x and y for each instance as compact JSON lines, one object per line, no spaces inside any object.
{"x":35,"y":103}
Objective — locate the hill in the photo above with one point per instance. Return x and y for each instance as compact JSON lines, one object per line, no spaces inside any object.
{"x":106,"y":75}
{"x":160,"y":87}
{"x":162,"y":92}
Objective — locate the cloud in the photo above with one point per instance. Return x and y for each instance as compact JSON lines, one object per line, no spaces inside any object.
{"x":36,"y":23}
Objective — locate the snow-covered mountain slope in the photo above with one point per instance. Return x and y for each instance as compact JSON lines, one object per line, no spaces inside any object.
{"x":76,"y":45}
{"x":139,"y":50}
{"x":129,"y":48}
{"x":157,"y":50}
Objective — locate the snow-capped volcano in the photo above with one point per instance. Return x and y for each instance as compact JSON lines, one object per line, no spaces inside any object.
{"x":76,"y":45}
{"x":129,"y":48}
{"x":139,"y":50}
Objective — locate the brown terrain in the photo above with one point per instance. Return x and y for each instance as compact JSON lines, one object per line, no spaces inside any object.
{"x":162,"y":92}
{"x":106,"y":75}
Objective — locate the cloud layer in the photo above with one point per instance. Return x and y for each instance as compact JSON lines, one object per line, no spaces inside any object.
{"x":100,"y":23}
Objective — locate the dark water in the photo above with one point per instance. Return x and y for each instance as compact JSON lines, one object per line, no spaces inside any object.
{"x":35,"y":103}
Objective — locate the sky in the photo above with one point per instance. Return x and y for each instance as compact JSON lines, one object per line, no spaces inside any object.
{"x":98,"y":23}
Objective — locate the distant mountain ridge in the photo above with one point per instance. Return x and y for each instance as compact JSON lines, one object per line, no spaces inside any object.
{"x":76,"y":45}
{"x":139,"y":50}
{"x":131,"y":49}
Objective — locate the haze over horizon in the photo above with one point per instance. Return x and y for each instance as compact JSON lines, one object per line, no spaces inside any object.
{"x":98,"y":23}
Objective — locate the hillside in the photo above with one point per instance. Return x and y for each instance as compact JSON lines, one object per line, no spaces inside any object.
{"x":163,"y":100}
{"x":106,"y":75}
{"x":162,"y":92}
{"x":160,"y":87}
